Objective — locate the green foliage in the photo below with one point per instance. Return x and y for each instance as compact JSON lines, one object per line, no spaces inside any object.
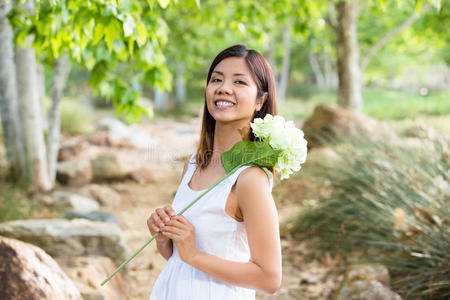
{"x":75,"y":117}
{"x":119,"y":41}
{"x":390,"y":202}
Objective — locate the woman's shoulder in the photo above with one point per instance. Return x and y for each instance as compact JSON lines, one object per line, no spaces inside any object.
{"x":254,"y":177}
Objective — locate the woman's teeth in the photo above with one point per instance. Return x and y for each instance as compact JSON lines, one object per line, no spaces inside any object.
{"x":224,"y":103}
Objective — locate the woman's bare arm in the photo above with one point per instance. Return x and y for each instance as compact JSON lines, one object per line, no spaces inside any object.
{"x":264,"y":270}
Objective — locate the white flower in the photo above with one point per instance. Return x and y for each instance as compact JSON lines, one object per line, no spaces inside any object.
{"x":282,"y":135}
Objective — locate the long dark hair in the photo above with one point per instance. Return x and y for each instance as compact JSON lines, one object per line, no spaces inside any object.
{"x":262,"y":75}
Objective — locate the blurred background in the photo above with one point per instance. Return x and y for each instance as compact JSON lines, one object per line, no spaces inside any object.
{"x":101,"y":105}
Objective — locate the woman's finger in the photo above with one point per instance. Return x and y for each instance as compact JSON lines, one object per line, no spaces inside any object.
{"x":170,"y":211}
{"x":182,"y":220}
{"x":171,"y":235}
{"x":157,"y":220}
{"x":162,"y":215}
{"x":172,"y":229}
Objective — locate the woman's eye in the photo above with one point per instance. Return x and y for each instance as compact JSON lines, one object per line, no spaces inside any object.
{"x":215,"y":80}
{"x":240,"y":82}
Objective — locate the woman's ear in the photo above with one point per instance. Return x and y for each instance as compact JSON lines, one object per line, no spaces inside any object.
{"x":260,"y":101}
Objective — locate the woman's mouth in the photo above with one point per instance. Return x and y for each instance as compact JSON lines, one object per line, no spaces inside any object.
{"x":223,"y":104}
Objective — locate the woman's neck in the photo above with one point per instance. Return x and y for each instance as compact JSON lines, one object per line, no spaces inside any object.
{"x":226,"y":135}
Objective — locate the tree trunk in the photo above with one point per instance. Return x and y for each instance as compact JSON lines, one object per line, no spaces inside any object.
{"x":9,"y":111}
{"x":180,"y":85}
{"x":284,"y":76}
{"x":60,"y":73}
{"x":41,"y":88}
{"x":315,"y":67}
{"x":160,"y":98}
{"x":329,"y":73}
{"x":31,"y":118}
{"x":349,"y":73}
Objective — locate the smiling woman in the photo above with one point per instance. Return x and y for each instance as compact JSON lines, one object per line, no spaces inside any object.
{"x":228,"y":246}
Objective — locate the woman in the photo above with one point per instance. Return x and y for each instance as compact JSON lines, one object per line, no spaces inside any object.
{"x":227,"y":245}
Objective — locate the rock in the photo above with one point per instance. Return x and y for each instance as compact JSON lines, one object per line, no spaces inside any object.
{"x":88,"y":272}
{"x":415,"y":144}
{"x":364,"y":290}
{"x":142,"y":176}
{"x":27,"y":272}
{"x":74,"y":202}
{"x":367,"y":272}
{"x":103,"y":138}
{"x":421,"y":131}
{"x":62,"y":238}
{"x":71,"y":151}
{"x":322,"y":155}
{"x":74,"y":172}
{"x":104,"y":195}
{"x":330,"y":121}
{"x":109,"y":166}
{"x":115,"y":127}
{"x":127,"y":135}
{"x":97,"y":216}
{"x":366,"y":281}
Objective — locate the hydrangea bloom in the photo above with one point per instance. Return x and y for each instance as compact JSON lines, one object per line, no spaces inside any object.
{"x":284,"y":136}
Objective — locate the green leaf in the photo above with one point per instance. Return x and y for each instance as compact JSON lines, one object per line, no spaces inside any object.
{"x":418,"y":6}
{"x":98,"y":32}
{"x":131,"y":44}
{"x":111,"y":33}
{"x":163,"y":3}
{"x":142,"y":34}
{"x":249,"y":153}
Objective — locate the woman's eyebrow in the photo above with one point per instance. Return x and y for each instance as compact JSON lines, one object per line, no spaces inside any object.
{"x":235,"y":74}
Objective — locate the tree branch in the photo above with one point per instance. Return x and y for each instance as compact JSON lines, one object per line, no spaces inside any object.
{"x":384,"y":39}
{"x":328,"y":18}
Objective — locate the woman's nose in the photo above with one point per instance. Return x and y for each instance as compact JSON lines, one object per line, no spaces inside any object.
{"x":225,"y":88}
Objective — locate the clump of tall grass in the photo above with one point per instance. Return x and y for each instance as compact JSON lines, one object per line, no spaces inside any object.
{"x":391,"y":202}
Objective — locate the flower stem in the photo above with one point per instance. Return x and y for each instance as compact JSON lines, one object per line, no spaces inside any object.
{"x":156,"y":234}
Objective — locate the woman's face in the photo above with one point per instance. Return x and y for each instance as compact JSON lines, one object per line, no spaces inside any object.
{"x":231,"y":92}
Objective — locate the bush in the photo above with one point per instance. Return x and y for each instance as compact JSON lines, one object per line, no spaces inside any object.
{"x":389,"y":202}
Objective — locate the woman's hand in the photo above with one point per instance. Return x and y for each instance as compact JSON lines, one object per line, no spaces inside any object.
{"x":158,"y":220}
{"x":183,"y":234}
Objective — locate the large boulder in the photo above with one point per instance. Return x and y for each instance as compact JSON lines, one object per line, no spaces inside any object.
{"x":109,"y":165}
{"x":98,"y":216}
{"x":366,"y":281}
{"x":88,"y":272}
{"x":332,"y":122}
{"x":73,"y":202}
{"x":27,"y":272}
{"x":74,"y":172}
{"x":63,"y":238}
{"x":104,"y":195}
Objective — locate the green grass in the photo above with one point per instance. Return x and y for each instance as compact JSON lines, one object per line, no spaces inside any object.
{"x":382,"y":104}
{"x":14,"y":204}
{"x":390,"y":203}
{"x":379,"y":104}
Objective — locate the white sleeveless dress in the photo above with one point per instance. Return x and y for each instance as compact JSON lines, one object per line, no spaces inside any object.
{"x":216,"y":233}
